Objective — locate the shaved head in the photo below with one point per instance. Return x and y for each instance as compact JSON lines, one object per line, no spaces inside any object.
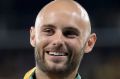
{"x":69,"y":7}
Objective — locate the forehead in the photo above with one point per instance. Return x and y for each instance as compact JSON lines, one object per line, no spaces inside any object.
{"x":61,"y":18}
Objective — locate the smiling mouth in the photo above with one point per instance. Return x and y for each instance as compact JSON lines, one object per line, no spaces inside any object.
{"x":57,"y":53}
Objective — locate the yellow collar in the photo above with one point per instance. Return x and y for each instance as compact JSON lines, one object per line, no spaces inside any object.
{"x":29,"y":73}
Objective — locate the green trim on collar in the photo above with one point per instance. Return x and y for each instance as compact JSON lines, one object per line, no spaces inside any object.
{"x":78,"y":77}
{"x":33,"y":76}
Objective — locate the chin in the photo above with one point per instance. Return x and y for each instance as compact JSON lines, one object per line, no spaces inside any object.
{"x":56,"y":70}
{"x":56,"y":67}
{"x":60,"y":70}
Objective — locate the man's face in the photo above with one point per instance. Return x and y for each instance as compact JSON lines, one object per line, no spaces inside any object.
{"x":60,"y":39}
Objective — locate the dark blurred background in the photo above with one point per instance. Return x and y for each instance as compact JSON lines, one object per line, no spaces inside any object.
{"x":17,"y":55}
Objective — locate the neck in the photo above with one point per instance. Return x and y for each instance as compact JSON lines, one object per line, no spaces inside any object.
{"x":43,"y":75}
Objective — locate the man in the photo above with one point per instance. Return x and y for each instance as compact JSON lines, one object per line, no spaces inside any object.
{"x":61,"y":36}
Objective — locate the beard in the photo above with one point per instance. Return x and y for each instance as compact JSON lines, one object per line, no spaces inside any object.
{"x":69,"y":66}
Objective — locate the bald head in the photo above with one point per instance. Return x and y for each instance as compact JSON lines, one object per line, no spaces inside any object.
{"x":68,"y":7}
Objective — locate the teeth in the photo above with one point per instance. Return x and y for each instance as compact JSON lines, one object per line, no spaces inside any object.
{"x":56,"y":53}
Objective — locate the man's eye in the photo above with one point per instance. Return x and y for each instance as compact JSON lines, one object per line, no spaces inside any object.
{"x":70,"y":34}
{"x":48,"y":31}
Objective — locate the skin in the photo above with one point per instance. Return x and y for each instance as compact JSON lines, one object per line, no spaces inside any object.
{"x":65,"y":29}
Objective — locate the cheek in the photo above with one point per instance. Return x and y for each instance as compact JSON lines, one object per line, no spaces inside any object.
{"x":77,"y":47}
{"x":41,"y":43}
{"x":40,"y":39}
{"x":73,"y":47}
{"x":76,"y":52}
{"x":75,"y":43}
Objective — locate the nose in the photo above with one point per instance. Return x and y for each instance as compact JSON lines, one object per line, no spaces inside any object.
{"x":58,"y":40}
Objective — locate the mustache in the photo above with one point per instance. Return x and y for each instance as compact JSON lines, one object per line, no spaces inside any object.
{"x":56,"y":49}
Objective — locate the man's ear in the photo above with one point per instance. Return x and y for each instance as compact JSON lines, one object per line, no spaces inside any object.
{"x":32,"y":36}
{"x":90,"y":43}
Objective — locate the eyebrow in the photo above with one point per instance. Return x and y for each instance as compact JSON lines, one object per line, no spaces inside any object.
{"x":73,"y":29}
{"x":49,"y":25}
